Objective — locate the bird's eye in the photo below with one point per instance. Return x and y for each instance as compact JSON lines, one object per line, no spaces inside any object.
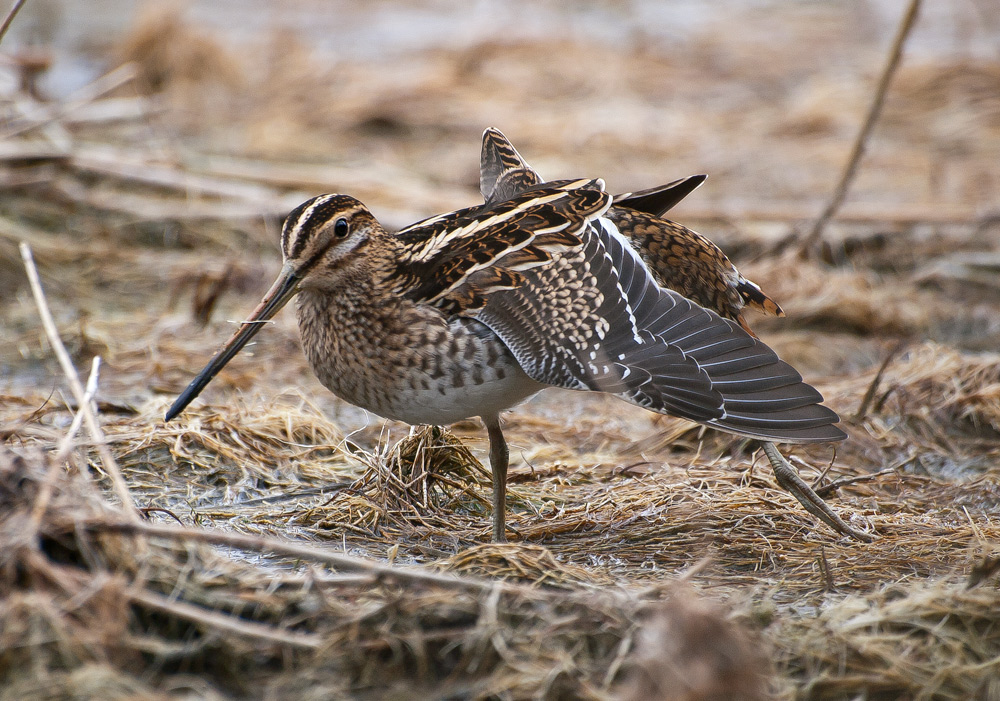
{"x":340,"y":228}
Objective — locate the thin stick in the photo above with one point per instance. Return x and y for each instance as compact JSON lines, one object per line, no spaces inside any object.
{"x":877,"y":380}
{"x":824,"y":568}
{"x":45,"y":491}
{"x":305,"y":552}
{"x":85,"y":95}
{"x":66,"y":444}
{"x":72,"y":580}
{"x":108,"y":460}
{"x":10,"y":18}
{"x":222,"y":621}
{"x":828,"y":489}
{"x":858,"y":149}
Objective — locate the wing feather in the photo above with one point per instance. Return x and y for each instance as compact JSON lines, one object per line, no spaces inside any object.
{"x":446,"y":261}
{"x":617,"y":331}
{"x":596,"y":317}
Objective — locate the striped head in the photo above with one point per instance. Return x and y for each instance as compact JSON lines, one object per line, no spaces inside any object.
{"x":322,"y":236}
{"x":321,"y":243}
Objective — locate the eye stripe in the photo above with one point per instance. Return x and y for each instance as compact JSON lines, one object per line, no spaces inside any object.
{"x":309,"y":217}
{"x":303,"y":221}
{"x":292,"y":231}
{"x":305,"y":267}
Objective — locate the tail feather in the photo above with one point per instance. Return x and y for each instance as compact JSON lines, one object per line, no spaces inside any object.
{"x":660,"y":200}
{"x":754,"y":297}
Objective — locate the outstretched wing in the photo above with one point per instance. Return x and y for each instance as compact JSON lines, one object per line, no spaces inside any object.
{"x":680,"y":259}
{"x":593,"y":318}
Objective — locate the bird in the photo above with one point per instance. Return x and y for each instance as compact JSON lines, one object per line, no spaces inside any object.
{"x":471,"y":312}
{"x":679,"y":259}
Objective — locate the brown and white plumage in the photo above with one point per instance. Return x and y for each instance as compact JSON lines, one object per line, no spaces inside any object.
{"x":678,"y":259}
{"x":468,"y":313}
{"x":594,"y":318}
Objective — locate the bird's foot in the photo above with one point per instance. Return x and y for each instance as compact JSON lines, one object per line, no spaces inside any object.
{"x":790,"y":481}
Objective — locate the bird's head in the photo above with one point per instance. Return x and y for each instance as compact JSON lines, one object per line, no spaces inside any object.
{"x":319,"y":241}
{"x":322,"y":236}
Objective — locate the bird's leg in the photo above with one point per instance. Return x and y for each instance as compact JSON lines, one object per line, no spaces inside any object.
{"x":499,"y":459}
{"x":789,"y":480}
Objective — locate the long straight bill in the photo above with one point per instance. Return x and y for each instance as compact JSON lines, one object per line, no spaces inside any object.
{"x":283,"y":289}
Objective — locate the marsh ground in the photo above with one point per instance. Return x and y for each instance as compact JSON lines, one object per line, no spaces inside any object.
{"x":154,"y":231}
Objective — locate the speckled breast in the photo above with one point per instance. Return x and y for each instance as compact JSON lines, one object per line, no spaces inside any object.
{"x":409,"y":363}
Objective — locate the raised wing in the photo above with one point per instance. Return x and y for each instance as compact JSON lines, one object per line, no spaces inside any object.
{"x":594,"y":318}
{"x":680,"y":259}
{"x":503,"y":173}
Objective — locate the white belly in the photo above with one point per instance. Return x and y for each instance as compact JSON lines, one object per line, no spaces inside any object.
{"x":445,"y":403}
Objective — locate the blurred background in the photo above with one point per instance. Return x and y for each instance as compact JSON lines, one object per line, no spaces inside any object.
{"x":764,"y":96}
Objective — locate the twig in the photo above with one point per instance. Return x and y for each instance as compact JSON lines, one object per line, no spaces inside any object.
{"x":85,"y":95}
{"x":17,"y":152}
{"x":136,"y":166}
{"x":150,"y":208}
{"x":66,"y":445}
{"x":10,"y":18}
{"x":226,"y":622}
{"x":331,"y":489}
{"x":858,"y":149}
{"x":305,"y":552}
{"x":147,"y":510}
{"x":804,"y":211}
{"x":107,"y":459}
{"x":72,"y":580}
{"x":826,"y":470}
{"x":877,"y":380}
{"x":113,"y":109}
{"x":830,"y":488}
{"x":824,"y":568}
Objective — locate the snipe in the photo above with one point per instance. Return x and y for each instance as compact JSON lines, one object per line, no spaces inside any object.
{"x":468,"y":313}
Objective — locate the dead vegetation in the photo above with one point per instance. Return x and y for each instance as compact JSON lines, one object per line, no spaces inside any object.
{"x":96,"y":604}
{"x":323,"y":553}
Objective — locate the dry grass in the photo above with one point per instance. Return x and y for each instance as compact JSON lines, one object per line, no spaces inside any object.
{"x":934,"y":642}
{"x":87,"y":607}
